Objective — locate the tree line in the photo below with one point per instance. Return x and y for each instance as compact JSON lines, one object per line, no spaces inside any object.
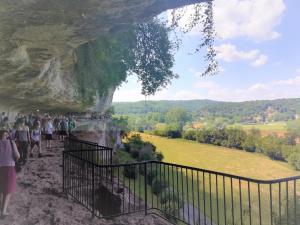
{"x":178,"y":123}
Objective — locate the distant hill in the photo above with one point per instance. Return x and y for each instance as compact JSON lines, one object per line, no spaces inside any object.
{"x":280,"y":109}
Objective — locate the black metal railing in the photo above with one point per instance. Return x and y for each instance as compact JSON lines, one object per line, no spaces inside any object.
{"x":178,"y":193}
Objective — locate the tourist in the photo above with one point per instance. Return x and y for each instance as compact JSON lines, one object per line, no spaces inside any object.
{"x":36,"y":139}
{"x":71,"y":125}
{"x":23,"y":138}
{"x":63,"y":127}
{"x":8,"y":155}
{"x":49,"y":132}
{"x":2,"y":116}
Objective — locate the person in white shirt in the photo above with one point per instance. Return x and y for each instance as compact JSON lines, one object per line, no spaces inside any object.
{"x":49,"y":132}
{"x":36,"y":139}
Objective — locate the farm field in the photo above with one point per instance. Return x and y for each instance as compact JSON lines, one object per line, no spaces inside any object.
{"x":278,"y":128}
{"x":220,"y":159}
{"x":234,"y":162}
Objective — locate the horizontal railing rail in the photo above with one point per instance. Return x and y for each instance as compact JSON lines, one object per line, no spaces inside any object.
{"x":178,"y":193}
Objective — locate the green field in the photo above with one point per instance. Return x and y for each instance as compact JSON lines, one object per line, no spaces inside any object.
{"x":267,"y":129}
{"x":235,"y":162}
{"x":220,"y":159}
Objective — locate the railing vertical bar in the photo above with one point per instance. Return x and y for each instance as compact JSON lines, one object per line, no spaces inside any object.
{"x":249,"y":204}
{"x":287,"y":202}
{"x":134,"y":169}
{"x":279,"y":199}
{"x":187,"y":193}
{"x":224,"y":201}
{"x":123,"y":189}
{"x":295,"y":201}
{"x":173,"y":189}
{"x":241,"y":202}
{"x":169,"y":190}
{"x":193,"y":197}
{"x":182,"y":191}
{"x":204,"y":202}
{"x":151,"y":182}
{"x":140,"y":177}
{"x":217,"y":193}
{"x":271,"y":205}
{"x":178,"y":200}
{"x":259,"y":204}
{"x":145,"y":184}
{"x":232,"y":206}
{"x":198,"y":197}
{"x":210,"y":200}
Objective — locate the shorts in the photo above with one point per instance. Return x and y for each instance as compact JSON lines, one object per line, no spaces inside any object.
{"x":49,"y":137}
{"x":33,"y":143}
{"x":63,"y":132}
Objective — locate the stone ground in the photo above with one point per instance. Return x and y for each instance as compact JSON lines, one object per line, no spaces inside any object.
{"x":39,"y":199}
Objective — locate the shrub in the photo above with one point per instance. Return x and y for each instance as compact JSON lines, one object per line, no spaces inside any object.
{"x":294,"y":160}
{"x":146,"y":153}
{"x":159,"y":156}
{"x":151,"y":175}
{"x":158,"y":186}
{"x":127,"y":147}
{"x":189,"y":134}
{"x":272,"y":147}
{"x":249,"y":144}
{"x":235,"y":137}
{"x":130,"y":171}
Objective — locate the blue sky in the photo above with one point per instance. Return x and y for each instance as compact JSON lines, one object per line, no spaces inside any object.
{"x":258,"y":49}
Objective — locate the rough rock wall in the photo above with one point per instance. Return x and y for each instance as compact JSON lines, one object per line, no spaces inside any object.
{"x":38,"y":38}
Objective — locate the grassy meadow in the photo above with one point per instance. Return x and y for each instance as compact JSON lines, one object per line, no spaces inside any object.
{"x":278,"y":128}
{"x":220,"y":159}
{"x":234,"y":162}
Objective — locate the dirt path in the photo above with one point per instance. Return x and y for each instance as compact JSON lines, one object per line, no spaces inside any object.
{"x":39,"y":199}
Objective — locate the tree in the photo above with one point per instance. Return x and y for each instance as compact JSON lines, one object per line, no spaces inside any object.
{"x":252,"y":140}
{"x":293,"y":132}
{"x":235,"y":137}
{"x":144,"y":50}
{"x":178,"y":116}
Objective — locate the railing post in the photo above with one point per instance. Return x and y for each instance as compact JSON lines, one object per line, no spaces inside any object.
{"x":145,"y":183}
{"x":93,"y":190}
{"x":63,"y":171}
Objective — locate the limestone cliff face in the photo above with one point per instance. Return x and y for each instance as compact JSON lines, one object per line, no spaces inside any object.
{"x":38,"y":39}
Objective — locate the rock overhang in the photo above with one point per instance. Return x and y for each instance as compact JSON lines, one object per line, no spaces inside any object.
{"x":38,"y":39}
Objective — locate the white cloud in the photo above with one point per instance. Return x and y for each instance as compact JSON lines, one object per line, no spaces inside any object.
{"x":230,"y":53}
{"x":288,"y":88}
{"x":261,"y":60}
{"x":298,"y":71}
{"x":252,"y":19}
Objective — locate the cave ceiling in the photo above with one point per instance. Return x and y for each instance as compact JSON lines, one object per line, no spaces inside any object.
{"x":38,"y":39}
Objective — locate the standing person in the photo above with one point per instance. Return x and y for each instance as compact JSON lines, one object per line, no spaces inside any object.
{"x":64,"y":128}
{"x":23,"y":138}
{"x":49,"y":132}
{"x":2,"y":116}
{"x":8,"y":154}
{"x":71,"y":125}
{"x":36,"y":137}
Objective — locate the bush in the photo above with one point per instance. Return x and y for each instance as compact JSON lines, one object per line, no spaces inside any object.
{"x":294,"y":160}
{"x":127,"y":147}
{"x":174,"y":133}
{"x":158,"y":186}
{"x":272,"y":147}
{"x":159,"y":156}
{"x":146,"y":153}
{"x":130,"y":171}
{"x":249,"y":144}
{"x":189,"y":134}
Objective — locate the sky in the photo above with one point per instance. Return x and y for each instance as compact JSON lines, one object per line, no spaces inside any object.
{"x":258,"y":50}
